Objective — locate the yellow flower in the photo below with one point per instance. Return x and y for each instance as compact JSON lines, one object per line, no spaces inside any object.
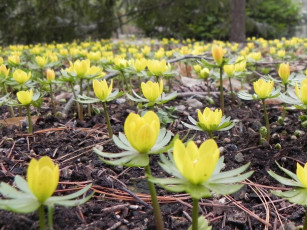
{"x":25,"y":97}
{"x":50,"y":75}
{"x":209,"y":119}
{"x":196,"y":164}
{"x":41,"y":61}
{"x":218,"y":54}
{"x":255,"y":55}
{"x":94,"y":56}
{"x":301,"y":93}
{"x":81,"y":67}
{"x":263,"y":88}
{"x":197,"y":68}
{"x":14,"y":59}
{"x":229,"y":70}
{"x":302,"y":174}
{"x":240,"y":66}
{"x":95,"y":70}
{"x":43,"y":178}
{"x":281,"y":53}
{"x":157,"y":67}
{"x":139,"y":64}
{"x":4,"y":72}
{"x":284,"y":72}
{"x":204,"y":73}
{"x":21,"y":76}
{"x":272,"y":50}
{"x":142,"y":132}
{"x":101,"y":89}
{"x":1,"y":60}
{"x":152,"y":90}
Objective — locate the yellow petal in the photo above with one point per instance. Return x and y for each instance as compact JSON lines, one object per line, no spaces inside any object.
{"x":301,"y":174}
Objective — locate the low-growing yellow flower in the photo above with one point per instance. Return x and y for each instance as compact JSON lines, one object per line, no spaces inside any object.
{"x":43,"y":178}
{"x":272,"y":50}
{"x":209,"y":120}
{"x":218,"y":54}
{"x":197,"y":68}
{"x":204,"y":73}
{"x":229,"y":70}
{"x":4,"y":72}
{"x":21,"y":76}
{"x":240,"y":65}
{"x":50,"y":75}
{"x":255,"y":55}
{"x":41,"y":61}
{"x":196,"y":164}
{"x":301,"y":92}
{"x":152,"y":90}
{"x":101,"y":89}
{"x":302,"y":174}
{"x":14,"y":59}
{"x":281,"y":53}
{"x":142,"y":132}
{"x":157,"y":67}
{"x":1,"y":60}
{"x":81,"y":67}
{"x":263,"y":88}
{"x":284,"y":72}
{"x":25,"y":97}
{"x":139,"y":64}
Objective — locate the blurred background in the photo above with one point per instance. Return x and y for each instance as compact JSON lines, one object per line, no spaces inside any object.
{"x":32,"y":21}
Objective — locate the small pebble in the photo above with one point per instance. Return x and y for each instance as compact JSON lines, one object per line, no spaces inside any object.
{"x":222,"y":149}
{"x":185,"y":113}
{"x":239,"y":157}
{"x":194,"y":103}
{"x":227,"y":140}
{"x":293,"y":137}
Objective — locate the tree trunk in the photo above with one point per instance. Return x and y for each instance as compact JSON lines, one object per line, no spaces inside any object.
{"x":237,"y":33}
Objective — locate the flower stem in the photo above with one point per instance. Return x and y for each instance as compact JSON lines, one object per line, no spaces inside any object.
{"x":89,"y":106}
{"x":106,"y":115}
{"x":30,"y":128}
{"x":231,"y":91}
{"x":10,"y":107}
{"x":41,"y":215}
{"x":154,"y":200}
{"x":221,"y":90}
{"x":50,"y":217}
{"x":195,"y":214}
{"x":77,"y":104}
{"x":52,"y":99}
{"x":266,"y":118}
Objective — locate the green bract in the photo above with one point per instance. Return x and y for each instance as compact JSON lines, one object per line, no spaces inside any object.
{"x":220,"y":182}
{"x":247,"y":96}
{"x":161,"y":100}
{"x":131,"y":157}
{"x":89,"y":100}
{"x":298,"y":195}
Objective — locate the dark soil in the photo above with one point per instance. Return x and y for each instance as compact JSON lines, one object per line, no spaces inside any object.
{"x":121,"y":200}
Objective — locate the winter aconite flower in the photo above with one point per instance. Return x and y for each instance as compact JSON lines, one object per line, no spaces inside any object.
{"x":263,"y":88}
{"x":142,"y":132}
{"x":50,"y":75}
{"x":152,"y":90}
{"x":301,"y":92}
{"x":284,"y":72}
{"x":41,"y":61}
{"x":80,"y":67}
{"x":4,"y":72}
{"x":302,"y":174}
{"x":209,"y":119}
{"x":229,"y":70}
{"x":156,"y":67}
{"x":25,"y":97}
{"x":218,"y":54}
{"x":21,"y":76}
{"x":196,"y":164}
{"x":101,"y":89}
{"x":42,"y":178}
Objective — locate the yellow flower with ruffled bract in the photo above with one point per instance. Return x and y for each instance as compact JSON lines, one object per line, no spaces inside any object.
{"x":152,"y":90}
{"x":25,"y":97}
{"x":196,"y":164}
{"x":301,"y":92}
{"x":21,"y":76}
{"x":101,"y":89}
{"x":209,"y":120}
{"x":142,"y":132}
{"x":263,"y":88}
{"x":42,"y":178}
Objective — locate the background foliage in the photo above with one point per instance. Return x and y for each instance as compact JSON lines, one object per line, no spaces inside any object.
{"x":31,"y":21}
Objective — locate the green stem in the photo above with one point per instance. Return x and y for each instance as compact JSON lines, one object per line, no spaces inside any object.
{"x":52,"y":99}
{"x":154,"y":200}
{"x":210,"y":134}
{"x":221,"y":91}
{"x":195,"y":214}
{"x":106,"y":115}
{"x":169,"y":82}
{"x":77,"y":104}
{"x":10,"y":107}
{"x":30,"y":128}
{"x":231,"y":91}
{"x":41,"y":215}
{"x":89,"y":106}
{"x":286,"y":87}
{"x":266,"y":118}
{"x":50,"y":217}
